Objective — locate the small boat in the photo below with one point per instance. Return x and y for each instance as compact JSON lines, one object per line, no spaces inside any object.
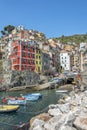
{"x":35,"y":94}
{"x":8,"y":108}
{"x":61,"y":91}
{"x":4,"y":100}
{"x":17,"y":102}
{"x":32,"y":96}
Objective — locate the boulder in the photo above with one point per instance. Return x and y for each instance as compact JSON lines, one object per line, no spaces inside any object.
{"x":52,"y":123}
{"x":81,"y":123}
{"x":55,"y":119}
{"x":52,"y":106}
{"x":38,"y":127}
{"x":36,"y":122}
{"x":61,"y":101}
{"x":54,"y":112}
{"x":64,"y":108}
{"x":43,"y":116}
{"x":69,"y":119}
{"x":49,"y":126}
{"x":67,"y":128}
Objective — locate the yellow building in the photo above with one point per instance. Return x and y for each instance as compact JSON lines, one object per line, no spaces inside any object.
{"x":68,"y":48}
{"x":38,"y":67}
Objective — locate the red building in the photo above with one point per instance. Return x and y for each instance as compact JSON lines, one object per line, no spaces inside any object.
{"x":23,"y":55}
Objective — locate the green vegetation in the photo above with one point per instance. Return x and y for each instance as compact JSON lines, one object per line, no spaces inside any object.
{"x":7,"y":30}
{"x":77,"y":38}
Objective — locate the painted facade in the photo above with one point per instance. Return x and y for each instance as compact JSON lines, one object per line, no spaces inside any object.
{"x":45,"y":61}
{"x":38,"y":67}
{"x":23,"y":56}
{"x":65,"y":60}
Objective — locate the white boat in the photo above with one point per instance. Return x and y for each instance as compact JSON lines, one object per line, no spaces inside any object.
{"x":61,"y":91}
{"x":32,"y":96}
{"x":16,"y":102}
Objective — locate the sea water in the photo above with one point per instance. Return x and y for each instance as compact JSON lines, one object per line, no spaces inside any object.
{"x":25,"y":113}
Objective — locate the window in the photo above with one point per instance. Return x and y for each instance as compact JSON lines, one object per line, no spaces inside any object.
{"x":39,"y":57}
{"x":33,"y":61}
{"x":36,"y":57}
{"x":29,"y":48}
{"x":23,"y":47}
{"x":36,"y":51}
{"x":23,"y":60}
{"x":23,"y":54}
{"x":33,"y":49}
{"x":29,"y":54}
{"x":33,"y":55}
{"x":36,"y":62}
{"x":29,"y":61}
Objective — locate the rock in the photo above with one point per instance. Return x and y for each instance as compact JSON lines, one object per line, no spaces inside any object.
{"x":81,"y":123}
{"x":67,"y":128}
{"x":69,"y":114}
{"x":64,"y":108}
{"x":73,"y":103}
{"x":76,"y":111}
{"x":54,"y":112}
{"x":52,"y":106}
{"x":67,"y":99}
{"x":48,"y":126}
{"x":37,"y":122}
{"x":69,"y":119}
{"x":61,"y":101}
{"x":38,"y":127}
{"x":43,"y":116}
{"x":55,"y":119}
{"x":57,"y":122}
{"x":72,"y":94}
{"x":51,"y":124}
{"x":84,"y":102}
{"x":82,"y":88}
{"x":85,"y":93}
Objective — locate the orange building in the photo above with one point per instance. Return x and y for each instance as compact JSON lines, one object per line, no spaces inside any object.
{"x":23,"y":55}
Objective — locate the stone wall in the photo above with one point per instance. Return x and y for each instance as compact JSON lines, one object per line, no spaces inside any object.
{"x":20,"y":78}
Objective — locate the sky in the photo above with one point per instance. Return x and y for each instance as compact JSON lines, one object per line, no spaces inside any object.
{"x":54,"y":18}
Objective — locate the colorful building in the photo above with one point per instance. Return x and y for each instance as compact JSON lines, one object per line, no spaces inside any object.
{"x":23,"y":55}
{"x":45,"y":61}
{"x":38,"y":67}
{"x":65,"y":60}
{"x":68,"y":48}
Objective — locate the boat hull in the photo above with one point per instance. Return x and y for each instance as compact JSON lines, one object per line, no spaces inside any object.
{"x":8,"y":108}
{"x":17,"y":102}
{"x":33,"y":96}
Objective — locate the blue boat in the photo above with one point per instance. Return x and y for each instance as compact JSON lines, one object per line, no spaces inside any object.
{"x":16,"y":102}
{"x":33,"y":96}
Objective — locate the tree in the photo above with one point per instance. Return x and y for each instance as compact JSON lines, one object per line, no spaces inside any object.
{"x":7,"y":29}
{"x":3,"y":33}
